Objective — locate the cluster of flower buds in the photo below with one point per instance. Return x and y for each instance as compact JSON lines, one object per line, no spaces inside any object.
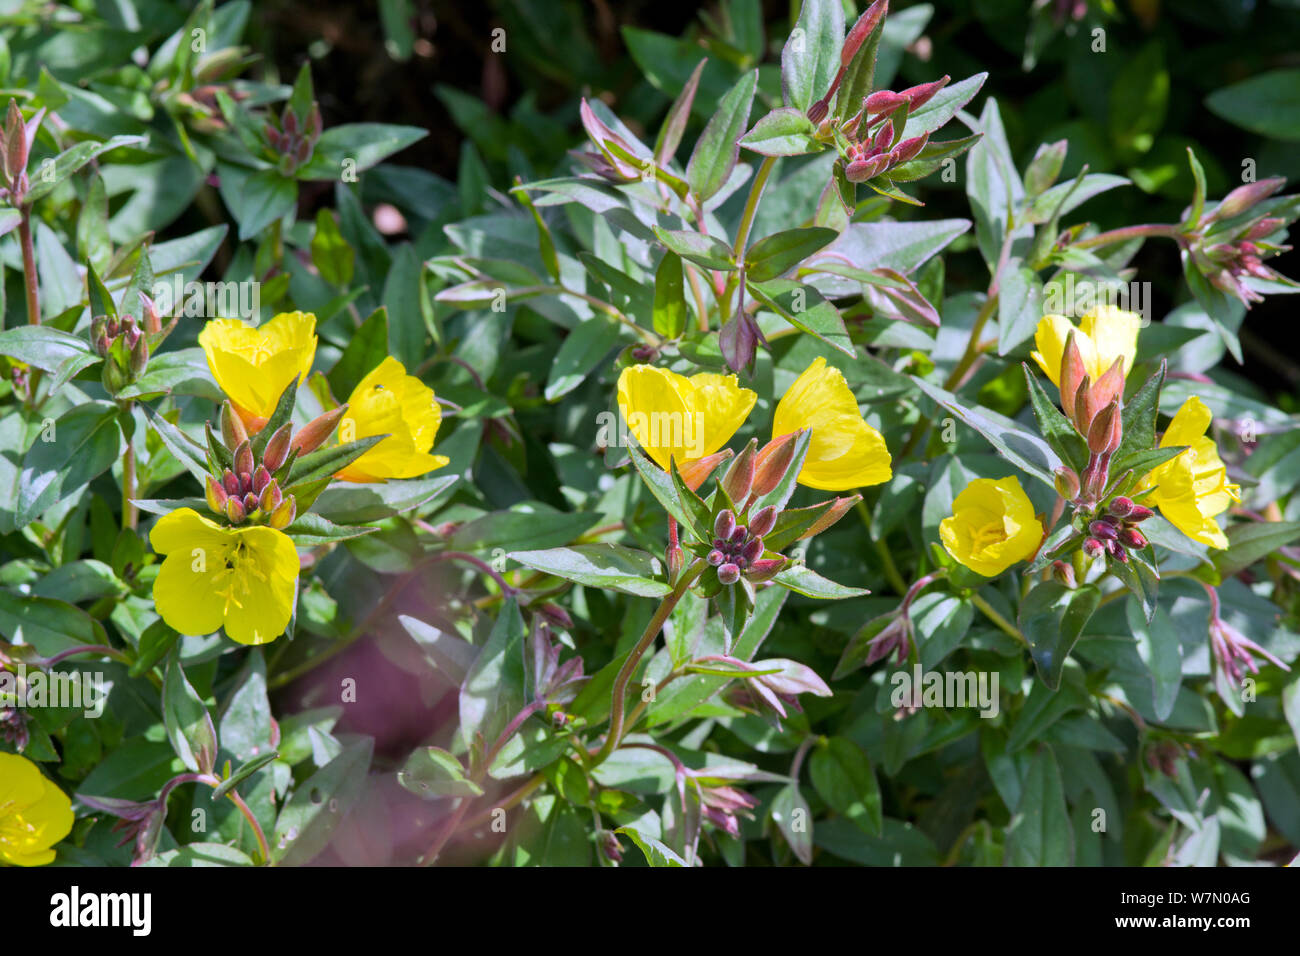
{"x":1163,"y":755}
{"x":248,"y":491}
{"x":721,"y":805}
{"x":554,"y":683}
{"x":1228,"y":246}
{"x":123,"y":346}
{"x":1095,"y":410}
{"x":1233,"y":649}
{"x":773,"y":688}
{"x":15,"y":147}
{"x":296,"y":137}
{"x":738,"y":549}
{"x":13,"y":726}
{"x":1115,"y":532}
{"x":878,"y":129}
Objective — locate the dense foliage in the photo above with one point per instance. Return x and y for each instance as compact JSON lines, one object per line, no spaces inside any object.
{"x":803,"y":454}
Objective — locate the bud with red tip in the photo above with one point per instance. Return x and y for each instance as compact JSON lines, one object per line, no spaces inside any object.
{"x":724,"y":524}
{"x":752,"y":551}
{"x":908,"y":149}
{"x":1132,"y":538}
{"x":774,"y":460}
{"x":312,"y":435}
{"x":1064,"y":573}
{"x":1066,"y":480}
{"x":1093,"y":548}
{"x":1104,"y":530}
{"x":1139,"y":514}
{"x":1106,"y":430}
{"x":233,"y":432}
{"x":729,"y":573}
{"x":244,"y":460}
{"x":235,"y":512}
{"x":283,"y":516}
{"x":1116,"y":551}
{"x":277,"y":448}
{"x":270,"y":498}
{"x":918,"y":96}
{"x":763,"y":521}
{"x":764,"y":569}
{"x":739,"y":480}
{"x":882,"y":101}
{"x":1122,"y":507}
{"x":861,"y":30}
{"x":716,"y":558}
{"x":216,"y":496}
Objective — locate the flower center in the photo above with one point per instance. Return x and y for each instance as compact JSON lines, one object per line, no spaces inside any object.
{"x":987,"y":535}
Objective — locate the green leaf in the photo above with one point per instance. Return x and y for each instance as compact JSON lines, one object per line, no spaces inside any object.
{"x":409,"y":307}
{"x":245,"y":771}
{"x":670,"y":310}
{"x":1139,"y":418}
{"x":804,"y":308}
{"x":311,"y":531}
{"x":46,"y":624}
{"x":715,"y":153}
{"x":280,"y":416}
{"x":843,"y":777}
{"x":1056,"y":428}
{"x":809,"y":583}
{"x":354,"y":147}
{"x":188,"y":723}
{"x":1268,"y":104}
{"x":1020,"y":306}
{"x":367,"y":347}
{"x":66,"y":456}
{"x":59,"y":353}
{"x":319,"y":804}
{"x":1040,"y":833}
{"x":1253,"y":541}
{"x":943,"y":106}
{"x":793,"y":818}
{"x":777,"y":254}
{"x":71,"y":160}
{"x":656,"y":853}
{"x":1139,"y":97}
{"x":704,"y":251}
{"x":184,"y":449}
{"x":493,"y":691}
{"x":663,"y":487}
{"x":266,"y":197}
{"x":780,"y":495}
{"x":783,"y":132}
{"x":330,"y":252}
{"x":432,"y":772}
{"x":352,"y":503}
{"x":1051,"y":617}
{"x":1158,"y":646}
{"x":327,"y":461}
{"x":584,"y":349}
{"x":609,"y":566}
{"x":811,"y":57}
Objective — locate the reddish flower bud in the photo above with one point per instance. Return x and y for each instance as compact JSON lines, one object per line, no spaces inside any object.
{"x":1067,"y":482}
{"x":1106,"y":430}
{"x":277,"y":448}
{"x":861,"y":30}
{"x":908,"y":149}
{"x":724,"y":524}
{"x":716,"y":557}
{"x":1093,"y":548}
{"x":918,"y":96}
{"x":764,"y":569}
{"x":1121,"y":507}
{"x":1116,"y":551}
{"x":882,"y":101}
{"x":1245,"y":197}
{"x":1073,"y":375}
{"x":763,"y":521}
{"x":694,"y":473}
{"x":859,"y":171}
{"x":235,"y":511}
{"x":312,"y":435}
{"x":261,"y":478}
{"x":216,"y":496}
{"x":283,"y":516}
{"x":752,"y":551}
{"x":1132,"y":538}
{"x":1139,"y":513}
{"x":250,"y":502}
{"x":1103,"y":530}
{"x":270,"y":498}
{"x":1064,"y":573}
{"x":774,"y":460}
{"x":738,"y":535}
{"x":739,"y":480}
{"x":233,"y":432}
{"x":729,"y":573}
{"x":884,"y":136}
{"x":230,"y":482}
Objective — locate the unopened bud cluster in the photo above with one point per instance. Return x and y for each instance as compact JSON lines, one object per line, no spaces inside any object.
{"x":295,"y":139}
{"x":1115,"y":532}
{"x":1228,"y":246}
{"x":122,"y":343}
{"x":738,"y":549}
{"x":878,"y":130}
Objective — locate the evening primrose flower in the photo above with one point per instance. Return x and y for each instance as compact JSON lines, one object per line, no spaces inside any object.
{"x":34,"y":813}
{"x":390,"y":402}
{"x":992,"y":526}
{"x":242,"y":579}
{"x":678,"y":418}
{"x":1104,"y":334}
{"x":844,"y":451}
{"x":1193,"y":488}
{"x":253,"y":365}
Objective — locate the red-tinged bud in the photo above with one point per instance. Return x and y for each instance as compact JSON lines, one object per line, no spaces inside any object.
{"x":216,"y":496}
{"x":752,"y":551}
{"x":312,"y":435}
{"x":250,"y":502}
{"x":1139,"y":514}
{"x":676,"y":559}
{"x":15,"y":158}
{"x":861,"y":30}
{"x":882,"y":101}
{"x":817,"y":112}
{"x":261,"y":478}
{"x":235,"y":512}
{"x":303,"y":152}
{"x":884,"y":137}
{"x":764,"y":569}
{"x":233,"y":432}
{"x":270,"y":498}
{"x":908,"y":149}
{"x":739,"y":535}
{"x":277,"y":448}
{"x":1116,"y":551}
{"x":149,"y":312}
{"x":289,"y":120}
{"x":244,"y":460}
{"x":1121,"y":507}
{"x":724,"y":524}
{"x":695,"y":473}
{"x":1107,"y":389}
{"x":1106,"y":430}
{"x":1103,"y":530}
{"x":1093,"y":548}
{"x":1132,"y":538}
{"x":555,"y":615}
{"x":283,"y":516}
{"x":774,"y":460}
{"x":1067,"y":482}
{"x":1264,"y":228}
{"x":729,"y":573}
{"x":314,"y":125}
{"x":1245,"y":197}
{"x":131,"y":335}
{"x":1064,"y":573}
{"x":918,"y":96}
{"x":763,"y":521}
{"x":839,"y":507}
{"x":859,"y":171}
{"x":716,"y":557}
{"x":113,"y":327}
{"x":102,"y":345}
{"x":739,"y":480}
{"x":1072,"y":376}
{"x":139,"y":356}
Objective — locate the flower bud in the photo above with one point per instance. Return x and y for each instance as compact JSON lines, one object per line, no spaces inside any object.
{"x":1132,"y":538}
{"x":764,"y":569}
{"x":244,"y":461}
{"x":1106,"y":430}
{"x":283,"y":516}
{"x":752,"y":551}
{"x":1139,"y":514}
{"x":233,"y":432}
{"x":918,"y":96}
{"x":763,"y":521}
{"x":250,"y":502}
{"x":774,"y":460}
{"x":716,"y":557}
{"x":1067,"y":482}
{"x":230,"y":482}
{"x":1116,"y":551}
{"x":1121,"y":507}
{"x":739,"y":480}
{"x":1064,"y":573}
{"x":261,"y":478}
{"x":1103,"y":530}
{"x":1245,"y":197}
{"x":882,"y":101}
{"x":729,"y":573}
{"x":1092,"y":547}
{"x":724,"y":524}
{"x":908,"y":149}
{"x":884,"y":136}
{"x":312,"y":435}
{"x":139,"y":356}
{"x":555,"y":615}
{"x":235,"y":511}
{"x":1264,"y":227}
{"x":277,"y":448}
{"x":1073,"y":374}
{"x":270,"y":498}
{"x":817,"y":112}
{"x":859,"y":171}
{"x":861,"y":30}
{"x":216,"y":496}
{"x":149,"y":312}
{"x":738,"y":535}
{"x":676,"y":560}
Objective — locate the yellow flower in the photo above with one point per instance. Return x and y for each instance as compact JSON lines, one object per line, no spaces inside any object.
{"x":992,"y":526}
{"x":34,"y":813}
{"x":1104,"y":334}
{"x":241,"y":578}
{"x":844,"y":451}
{"x":253,"y":365}
{"x":675,"y":417}
{"x":1193,"y":488}
{"x":390,"y":402}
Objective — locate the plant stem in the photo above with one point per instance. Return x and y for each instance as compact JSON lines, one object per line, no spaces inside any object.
{"x":746,"y":223}
{"x":29,"y":267}
{"x":1146,"y":230}
{"x":891,"y":570}
{"x":252,"y":822}
{"x":618,"y":701}
{"x":130,"y":515}
{"x":1002,"y":623}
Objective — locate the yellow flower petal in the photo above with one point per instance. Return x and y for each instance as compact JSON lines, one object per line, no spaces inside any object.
{"x":675,"y":417}
{"x":1104,"y":334}
{"x":1193,"y":489}
{"x":993,"y":526}
{"x":253,"y":365}
{"x":390,"y":402}
{"x":34,"y":813}
{"x":843,"y":451}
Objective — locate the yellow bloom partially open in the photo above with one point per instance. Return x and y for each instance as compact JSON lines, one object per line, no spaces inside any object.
{"x":1192,"y":489}
{"x":992,"y":526}
{"x":253,"y":365}
{"x":390,"y":402}
{"x":242,"y":579}
{"x":675,"y":417}
{"x":34,"y":813}
{"x":1104,"y":334}
{"x":844,"y":451}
